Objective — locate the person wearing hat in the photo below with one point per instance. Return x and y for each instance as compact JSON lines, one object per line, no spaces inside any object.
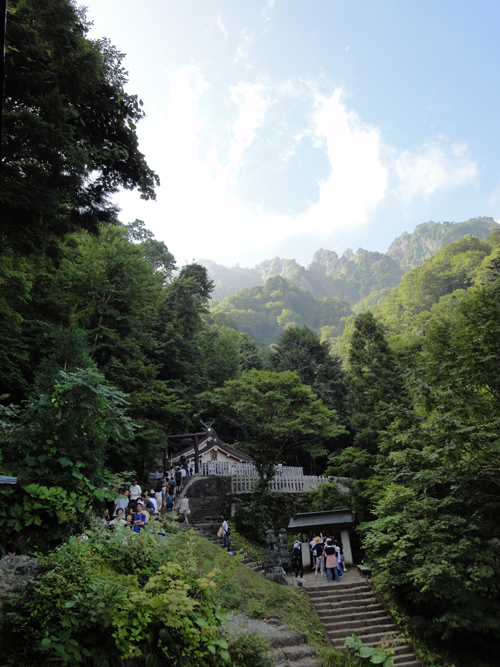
{"x":135,"y":493}
{"x":139,"y":518}
{"x":319,"y":555}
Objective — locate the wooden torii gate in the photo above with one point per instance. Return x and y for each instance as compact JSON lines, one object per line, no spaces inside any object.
{"x":187,"y":436}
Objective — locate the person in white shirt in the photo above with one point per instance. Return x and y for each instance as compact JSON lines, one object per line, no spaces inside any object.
{"x":119,"y":520}
{"x":225,"y":535}
{"x":312,"y":544}
{"x":135,"y":493}
{"x":122,"y":501}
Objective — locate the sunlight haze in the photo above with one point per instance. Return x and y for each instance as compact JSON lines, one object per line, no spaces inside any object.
{"x":280,"y":128}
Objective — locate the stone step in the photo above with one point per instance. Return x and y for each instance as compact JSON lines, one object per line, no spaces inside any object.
{"x":286,"y":637}
{"x":356,"y":626}
{"x":337,"y":603}
{"x":298,"y":652}
{"x":406,"y":659}
{"x":341,"y":605}
{"x":336,"y":595}
{"x":304,"y":662}
{"x":327,"y":615}
{"x":372,"y":636}
{"x":351,"y":586}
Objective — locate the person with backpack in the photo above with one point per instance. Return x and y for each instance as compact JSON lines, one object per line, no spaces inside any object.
{"x":318,"y":553}
{"x":331,"y":560}
{"x":297,"y":561}
{"x":169,"y":499}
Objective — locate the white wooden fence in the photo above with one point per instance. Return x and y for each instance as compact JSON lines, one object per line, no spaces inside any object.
{"x":227,"y":468}
{"x":298,"y":483}
{"x":244,"y":476}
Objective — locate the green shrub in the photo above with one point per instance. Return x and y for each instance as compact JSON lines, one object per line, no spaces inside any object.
{"x":103,"y":600}
{"x":356,"y":655}
{"x":249,"y":650}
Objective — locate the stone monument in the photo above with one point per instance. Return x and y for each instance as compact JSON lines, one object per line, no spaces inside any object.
{"x":274,"y":568}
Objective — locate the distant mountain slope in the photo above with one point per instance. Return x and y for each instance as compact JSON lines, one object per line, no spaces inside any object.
{"x":265,"y":311}
{"x":353,"y":276}
{"x":453,"y":269}
{"x":410,"y":250}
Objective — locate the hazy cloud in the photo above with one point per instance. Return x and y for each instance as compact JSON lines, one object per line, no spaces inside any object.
{"x":252,"y":104}
{"x":267,"y":8}
{"x":358,"y":179}
{"x":198,"y":210}
{"x":243,"y":50}
{"x":436,"y":166}
{"x":221,"y":27}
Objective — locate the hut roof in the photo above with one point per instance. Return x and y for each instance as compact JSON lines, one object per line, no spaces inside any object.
{"x":329,"y":520}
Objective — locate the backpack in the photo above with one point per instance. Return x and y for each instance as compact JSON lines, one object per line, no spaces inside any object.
{"x":296,"y":553}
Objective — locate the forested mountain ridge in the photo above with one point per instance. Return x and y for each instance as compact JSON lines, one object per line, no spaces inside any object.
{"x":410,"y":250}
{"x":354,"y":275}
{"x":265,"y":311}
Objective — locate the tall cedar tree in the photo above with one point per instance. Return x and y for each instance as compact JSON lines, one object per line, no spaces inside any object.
{"x":374,"y":382}
{"x":301,"y":350}
{"x":69,"y":128}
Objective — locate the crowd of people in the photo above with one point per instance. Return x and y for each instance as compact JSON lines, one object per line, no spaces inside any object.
{"x":132,"y":507}
{"x":326,"y":555}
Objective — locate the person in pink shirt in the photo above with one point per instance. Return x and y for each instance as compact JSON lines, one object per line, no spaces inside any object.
{"x":331,"y":561}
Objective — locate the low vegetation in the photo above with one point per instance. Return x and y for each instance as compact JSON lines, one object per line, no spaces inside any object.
{"x":115,"y":596}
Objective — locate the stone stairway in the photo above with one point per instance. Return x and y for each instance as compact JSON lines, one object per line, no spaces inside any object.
{"x":209,"y":532}
{"x":350,"y":607}
{"x":207,"y":510}
{"x":288,"y":648}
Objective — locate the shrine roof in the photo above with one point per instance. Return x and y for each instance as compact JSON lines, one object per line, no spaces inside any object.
{"x":330,"y":520}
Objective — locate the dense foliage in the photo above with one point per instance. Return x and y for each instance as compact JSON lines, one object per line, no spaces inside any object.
{"x":274,"y":417}
{"x":436,"y":534}
{"x":102,"y":600}
{"x":69,"y":137}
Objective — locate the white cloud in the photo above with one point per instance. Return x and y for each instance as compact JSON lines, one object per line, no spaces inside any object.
{"x":252,"y":106}
{"x":436,"y":166}
{"x":197,"y":213}
{"x":358,"y":181}
{"x":221,"y":27}
{"x":494,"y":203}
{"x":244,"y":47}
{"x":266,"y":9}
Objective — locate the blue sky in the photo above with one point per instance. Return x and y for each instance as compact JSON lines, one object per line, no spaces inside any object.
{"x":279,"y":127}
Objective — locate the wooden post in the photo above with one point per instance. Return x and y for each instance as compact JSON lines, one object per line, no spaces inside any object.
{"x":196,"y":456}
